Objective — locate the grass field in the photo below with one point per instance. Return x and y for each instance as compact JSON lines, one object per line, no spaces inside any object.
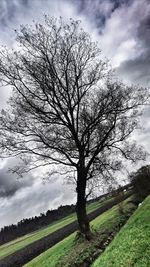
{"x":68,"y":251}
{"x":21,"y":242}
{"x":131,"y":247}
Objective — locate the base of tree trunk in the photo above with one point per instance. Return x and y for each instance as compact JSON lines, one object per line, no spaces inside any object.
{"x":88,"y":235}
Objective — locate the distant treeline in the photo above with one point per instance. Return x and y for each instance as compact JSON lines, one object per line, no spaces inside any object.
{"x":26,"y":226}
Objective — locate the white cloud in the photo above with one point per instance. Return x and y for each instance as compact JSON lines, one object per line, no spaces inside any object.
{"x":3,"y":163}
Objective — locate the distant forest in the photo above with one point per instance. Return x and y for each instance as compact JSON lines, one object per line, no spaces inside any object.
{"x":26,"y":226}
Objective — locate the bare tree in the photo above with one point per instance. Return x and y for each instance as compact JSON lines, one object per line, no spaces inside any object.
{"x":66,"y":108}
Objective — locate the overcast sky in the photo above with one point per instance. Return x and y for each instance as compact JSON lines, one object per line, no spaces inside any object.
{"x":122,"y":29}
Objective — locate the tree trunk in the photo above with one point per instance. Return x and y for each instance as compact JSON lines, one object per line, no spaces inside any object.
{"x":83,"y":221}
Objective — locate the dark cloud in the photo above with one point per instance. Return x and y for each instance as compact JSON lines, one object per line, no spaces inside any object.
{"x":143,"y":32}
{"x":137,"y":70}
{"x":9,"y":183}
{"x":97,"y":11}
{"x":9,"y":9}
{"x":100,"y":10}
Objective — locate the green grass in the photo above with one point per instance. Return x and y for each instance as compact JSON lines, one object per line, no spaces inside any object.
{"x":19,"y":243}
{"x":131,"y":246}
{"x":69,"y":251}
{"x":22,"y":242}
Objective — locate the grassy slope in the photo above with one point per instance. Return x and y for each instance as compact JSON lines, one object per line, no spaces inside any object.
{"x":21,"y":242}
{"x":131,"y":247}
{"x":67,"y":251}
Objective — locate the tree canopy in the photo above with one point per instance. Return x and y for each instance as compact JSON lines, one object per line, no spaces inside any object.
{"x":140,"y":180}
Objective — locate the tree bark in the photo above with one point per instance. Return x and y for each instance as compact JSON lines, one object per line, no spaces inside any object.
{"x":83,"y":221}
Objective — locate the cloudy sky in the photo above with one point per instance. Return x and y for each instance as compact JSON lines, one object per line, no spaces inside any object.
{"x":122,"y":29}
